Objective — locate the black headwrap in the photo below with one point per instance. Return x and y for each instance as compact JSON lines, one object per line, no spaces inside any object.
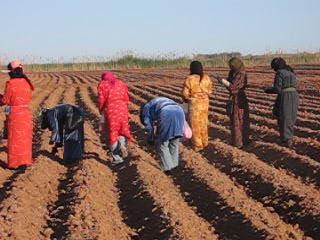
{"x":18,"y":73}
{"x":196,"y":68}
{"x":280,"y":63}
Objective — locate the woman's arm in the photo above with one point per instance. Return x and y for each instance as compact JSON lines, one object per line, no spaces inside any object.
{"x":186,"y":92}
{"x":148,"y":121}
{"x":102,"y":99}
{"x":5,"y":99}
{"x":209,"y":88}
{"x":126,"y":95}
{"x":238,"y":82}
{"x":277,"y":85}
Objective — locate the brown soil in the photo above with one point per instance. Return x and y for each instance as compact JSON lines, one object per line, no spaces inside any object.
{"x":264,"y":191}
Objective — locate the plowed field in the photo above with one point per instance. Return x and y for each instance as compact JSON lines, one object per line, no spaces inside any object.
{"x":264,"y":191}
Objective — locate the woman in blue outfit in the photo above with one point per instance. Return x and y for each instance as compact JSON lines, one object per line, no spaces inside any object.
{"x":164,"y":119}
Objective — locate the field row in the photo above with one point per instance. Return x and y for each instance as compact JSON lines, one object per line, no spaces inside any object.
{"x":264,"y":191}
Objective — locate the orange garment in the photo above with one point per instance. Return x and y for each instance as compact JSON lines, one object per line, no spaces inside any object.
{"x":197,"y":93}
{"x":18,"y":96}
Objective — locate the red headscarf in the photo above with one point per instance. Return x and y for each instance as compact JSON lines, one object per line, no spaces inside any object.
{"x":108,"y":76}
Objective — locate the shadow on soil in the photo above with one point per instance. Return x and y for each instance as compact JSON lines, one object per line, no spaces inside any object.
{"x":227,"y":222}
{"x":63,"y":208}
{"x":283,"y":203}
{"x":137,"y":206}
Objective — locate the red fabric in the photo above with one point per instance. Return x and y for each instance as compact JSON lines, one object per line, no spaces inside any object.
{"x":18,"y":96}
{"x":113,"y":101}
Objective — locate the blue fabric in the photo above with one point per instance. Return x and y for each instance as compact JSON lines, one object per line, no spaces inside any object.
{"x":169,"y":116}
{"x":7,"y":110}
{"x":73,"y":140}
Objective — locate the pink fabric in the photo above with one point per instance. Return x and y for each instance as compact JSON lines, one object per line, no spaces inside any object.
{"x":187,"y":132}
{"x":16,"y":64}
{"x":108,"y":76}
{"x":113,"y":100}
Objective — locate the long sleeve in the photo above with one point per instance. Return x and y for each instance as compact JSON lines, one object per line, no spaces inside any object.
{"x":102,"y":99}
{"x":237,"y":83}
{"x":277,"y":84}
{"x":186,"y":92}
{"x":208,"y":88}
{"x":148,"y":121}
{"x":5,"y":100}
{"x":126,"y":95}
{"x":54,"y":126}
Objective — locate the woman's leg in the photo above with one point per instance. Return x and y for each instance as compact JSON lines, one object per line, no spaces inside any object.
{"x":195,"y":118}
{"x":123,"y":144}
{"x":174,"y":151}
{"x":237,"y":124}
{"x":116,"y":153}
{"x":165,"y":156}
{"x":204,"y":124}
{"x":288,"y":116}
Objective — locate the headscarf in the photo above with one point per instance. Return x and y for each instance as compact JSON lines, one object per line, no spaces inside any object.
{"x":108,"y":76}
{"x":236,"y":64}
{"x":280,"y":63}
{"x":196,"y":68}
{"x":14,"y":65}
{"x":17,"y":71}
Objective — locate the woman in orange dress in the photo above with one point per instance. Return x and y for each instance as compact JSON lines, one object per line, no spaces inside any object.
{"x":196,"y":91}
{"x":18,"y":96}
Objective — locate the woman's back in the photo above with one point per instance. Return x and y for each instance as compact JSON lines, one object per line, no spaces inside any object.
{"x":285,"y":79}
{"x":18,"y":92}
{"x":194,"y":85}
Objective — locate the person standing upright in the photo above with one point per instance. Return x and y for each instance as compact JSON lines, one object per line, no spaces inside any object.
{"x":238,"y":110}
{"x":17,"y":96}
{"x":113,"y":102}
{"x":286,"y":104}
{"x":196,"y":91}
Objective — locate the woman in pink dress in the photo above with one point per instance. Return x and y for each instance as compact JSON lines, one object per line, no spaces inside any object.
{"x":18,"y":97}
{"x":113,"y":103}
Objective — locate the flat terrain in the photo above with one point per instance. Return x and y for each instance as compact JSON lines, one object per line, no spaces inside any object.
{"x":264,"y":191}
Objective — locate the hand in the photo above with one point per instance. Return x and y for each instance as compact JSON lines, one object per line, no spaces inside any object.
{"x":54,"y":150}
{"x":268,"y":90}
{"x":217,"y":77}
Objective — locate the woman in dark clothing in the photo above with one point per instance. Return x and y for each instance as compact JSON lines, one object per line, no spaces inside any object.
{"x":66,"y":122}
{"x":239,"y":115}
{"x":286,"y":104}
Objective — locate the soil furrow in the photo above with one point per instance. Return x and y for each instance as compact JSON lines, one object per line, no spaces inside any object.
{"x":24,"y":210}
{"x":303,"y":146}
{"x":310,"y":228}
{"x":264,"y":109}
{"x":101,"y":217}
{"x":257,"y":115}
{"x":134,"y":201}
{"x":237,"y":216}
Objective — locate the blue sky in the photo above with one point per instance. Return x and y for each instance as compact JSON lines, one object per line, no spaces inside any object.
{"x":75,"y":28}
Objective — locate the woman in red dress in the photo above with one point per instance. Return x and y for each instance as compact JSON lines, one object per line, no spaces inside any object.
{"x":17,"y":96}
{"x":113,"y":103}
